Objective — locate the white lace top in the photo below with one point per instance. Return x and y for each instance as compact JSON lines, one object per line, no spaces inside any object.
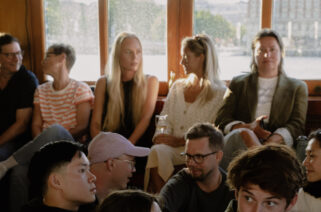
{"x":182,"y":115}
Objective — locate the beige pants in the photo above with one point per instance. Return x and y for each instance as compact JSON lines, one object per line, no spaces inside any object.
{"x":163,"y":157}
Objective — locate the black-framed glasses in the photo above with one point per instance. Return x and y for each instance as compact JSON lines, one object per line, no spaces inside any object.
{"x":11,"y":55}
{"x":131,"y":162}
{"x":197,"y":158}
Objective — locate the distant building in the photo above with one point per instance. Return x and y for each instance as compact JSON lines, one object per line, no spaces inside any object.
{"x":297,"y":21}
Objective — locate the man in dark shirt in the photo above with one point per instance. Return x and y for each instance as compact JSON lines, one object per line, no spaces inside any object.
{"x":60,"y":178}
{"x":201,"y":186}
{"x":17,"y":86}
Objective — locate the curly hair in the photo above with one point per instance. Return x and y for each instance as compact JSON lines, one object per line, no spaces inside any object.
{"x":274,"y":168}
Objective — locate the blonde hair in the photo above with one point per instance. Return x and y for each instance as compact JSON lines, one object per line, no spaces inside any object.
{"x":115,"y":107}
{"x":203,"y":44}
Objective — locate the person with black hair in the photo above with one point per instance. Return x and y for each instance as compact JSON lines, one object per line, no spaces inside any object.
{"x":130,"y":200}
{"x":60,"y":178}
{"x":309,"y":197}
{"x":17,"y":85}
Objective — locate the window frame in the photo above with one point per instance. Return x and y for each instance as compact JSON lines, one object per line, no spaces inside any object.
{"x":179,"y":25}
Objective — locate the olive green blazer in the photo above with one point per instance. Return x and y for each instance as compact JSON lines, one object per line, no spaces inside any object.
{"x":288,"y":109}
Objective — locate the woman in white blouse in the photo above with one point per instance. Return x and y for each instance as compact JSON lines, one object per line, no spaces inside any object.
{"x":196,"y":98}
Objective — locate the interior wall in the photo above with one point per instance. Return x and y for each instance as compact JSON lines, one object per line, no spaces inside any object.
{"x":24,"y":20}
{"x":13,"y":21}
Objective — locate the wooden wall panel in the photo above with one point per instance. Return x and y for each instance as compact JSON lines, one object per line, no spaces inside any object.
{"x":24,"y":20}
{"x":266,"y":19}
{"x":37,"y":36}
{"x":179,"y":25}
{"x":103,"y":34}
{"x":13,"y":21}
{"x":173,"y":14}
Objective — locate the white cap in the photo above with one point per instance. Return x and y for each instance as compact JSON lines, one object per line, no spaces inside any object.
{"x":108,"y":145}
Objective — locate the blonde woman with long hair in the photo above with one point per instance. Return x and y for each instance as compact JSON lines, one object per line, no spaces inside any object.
{"x":125,"y":98}
{"x":194,"y":99}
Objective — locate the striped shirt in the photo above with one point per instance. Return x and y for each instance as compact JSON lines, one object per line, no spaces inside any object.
{"x":60,"y":107}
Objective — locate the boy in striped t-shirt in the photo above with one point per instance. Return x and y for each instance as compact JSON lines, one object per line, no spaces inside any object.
{"x":63,"y":101}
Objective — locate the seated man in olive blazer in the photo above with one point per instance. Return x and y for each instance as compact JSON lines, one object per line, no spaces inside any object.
{"x":264,"y":106}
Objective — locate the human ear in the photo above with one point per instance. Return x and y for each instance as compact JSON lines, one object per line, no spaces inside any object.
{"x":202,"y":56}
{"x":55,"y":181}
{"x":219,"y":155}
{"x":292,"y":203}
{"x":109,"y":164}
{"x":236,"y":194}
{"x":62,"y":58}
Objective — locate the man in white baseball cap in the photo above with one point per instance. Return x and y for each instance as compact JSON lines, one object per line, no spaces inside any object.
{"x":112,"y":161}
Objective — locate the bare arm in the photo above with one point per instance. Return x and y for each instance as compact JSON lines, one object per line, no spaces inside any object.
{"x":23,"y":117}
{"x":36,"y":121}
{"x":148,"y":109}
{"x":83,"y":113}
{"x":100,"y":90}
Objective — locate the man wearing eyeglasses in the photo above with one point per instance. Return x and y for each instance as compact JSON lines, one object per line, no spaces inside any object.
{"x":112,"y":161}
{"x":17,"y":86}
{"x":200,"y":186}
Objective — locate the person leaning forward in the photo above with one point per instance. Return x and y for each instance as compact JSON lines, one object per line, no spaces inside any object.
{"x":200,"y":186}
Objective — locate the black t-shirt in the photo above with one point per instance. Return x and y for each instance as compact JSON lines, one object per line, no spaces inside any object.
{"x":36,"y":205}
{"x":17,"y":94}
{"x":181,"y":193}
{"x":313,"y":188}
{"x":127,"y":127}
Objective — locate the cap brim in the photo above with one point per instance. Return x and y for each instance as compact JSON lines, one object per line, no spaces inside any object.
{"x":138,"y":151}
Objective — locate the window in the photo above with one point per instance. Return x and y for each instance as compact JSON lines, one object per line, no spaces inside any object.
{"x":243,"y":18}
{"x":232,"y":24}
{"x":75,"y":22}
{"x":147,"y":19}
{"x":298,"y":23}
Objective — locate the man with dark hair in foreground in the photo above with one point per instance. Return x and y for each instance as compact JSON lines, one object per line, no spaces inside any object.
{"x":60,"y":177}
{"x":265,"y":178}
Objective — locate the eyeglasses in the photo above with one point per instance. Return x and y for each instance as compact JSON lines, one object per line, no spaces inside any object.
{"x":11,"y":55}
{"x":131,"y":162}
{"x":198,"y":158}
